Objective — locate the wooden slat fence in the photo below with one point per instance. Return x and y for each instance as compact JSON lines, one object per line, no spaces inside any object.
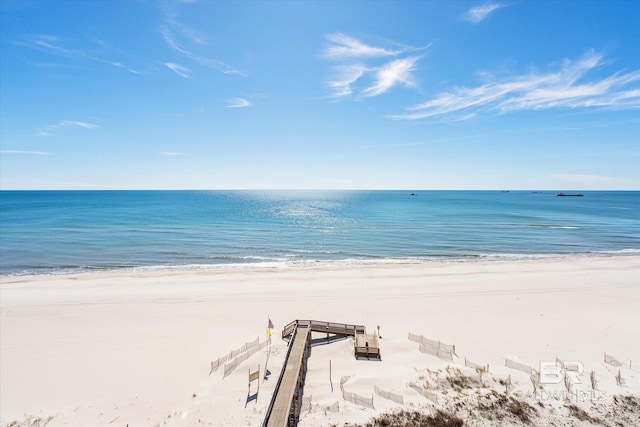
{"x":425,"y":393}
{"x":397,"y":398}
{"x":519,"y":366}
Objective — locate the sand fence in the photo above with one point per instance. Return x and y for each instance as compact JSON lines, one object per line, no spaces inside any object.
{"x":309,"y":407}
{"x":232,"y":360}
{"x":354,"y":398}
{"x":509,"y":363}
{"x":433,"y":397}
{"x":481,"y":369}
{"x":434,"y":348}
{"x":613,"y":361}
{"x":397,"y":398}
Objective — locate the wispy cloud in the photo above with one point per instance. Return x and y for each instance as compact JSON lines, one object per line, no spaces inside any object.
{"x":345,"y":76}
{"x":186,"y":40}
{"x":178,"y":69}
{"x":360,"y":61}
{"x":392,"y":74}
{"x":55,"y":45}
{"x":565,"y":88}
{"x":238,"y":103}
{"x":344,"y":46}
{"x":75,"y":123}
{"x":35,"y":153}
{"x":480,"y":13}
{"x":50,"y":130}
{"x":51,"y":44}
{"x":171,"y":154}
{"x":170,"y":39}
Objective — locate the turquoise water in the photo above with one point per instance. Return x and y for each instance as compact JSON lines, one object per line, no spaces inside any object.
{"x":49,"y":232}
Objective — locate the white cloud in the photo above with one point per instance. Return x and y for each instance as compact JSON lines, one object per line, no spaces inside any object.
{"x":347,"y":47}
{"x":51,"y":44}
{"x":167,"y":35}
{"x":64,"y":124}
{"x":238,"y":103}
{"x":55,"y":45}
{"x":361,"y":61}
{"x":565,"y":88}
{"x":480,"y":13}
{"x":177,"y":35}
{"x":75,"y":123}
{"x":178,"y":69}
{"x":36,"y":153}
{"x":171,"y":154}
{"x":346,"y":76}
{"x":391,"y":74}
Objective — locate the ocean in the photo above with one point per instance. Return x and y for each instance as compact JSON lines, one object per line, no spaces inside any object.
{"x":60,"y":232}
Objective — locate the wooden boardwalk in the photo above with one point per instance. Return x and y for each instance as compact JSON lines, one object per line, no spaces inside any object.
{"x":341,"y":329}
{"x":285,"y":406}
{"x":284,"y":409}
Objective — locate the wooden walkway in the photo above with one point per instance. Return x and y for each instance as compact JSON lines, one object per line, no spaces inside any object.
{"x":341,"y":329}
{"x":285,"y":406}
{"x":284,"y":409}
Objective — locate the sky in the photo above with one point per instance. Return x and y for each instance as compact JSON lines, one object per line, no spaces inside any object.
{"x":467,"y":95}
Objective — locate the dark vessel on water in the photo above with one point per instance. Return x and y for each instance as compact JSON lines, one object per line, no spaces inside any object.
{"x":570,"y":195}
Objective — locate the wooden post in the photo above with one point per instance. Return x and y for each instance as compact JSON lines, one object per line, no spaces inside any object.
{"x":253,"y":377}
{"x":330,"y":379}
{"x":619,"y":378}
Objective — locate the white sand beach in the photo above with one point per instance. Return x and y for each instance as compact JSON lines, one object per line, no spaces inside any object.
{"x":135,"y":349}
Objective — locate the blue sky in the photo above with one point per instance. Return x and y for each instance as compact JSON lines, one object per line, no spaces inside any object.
{"x":332,"y":95}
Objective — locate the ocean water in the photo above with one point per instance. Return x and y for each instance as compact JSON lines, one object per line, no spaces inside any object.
{"x":52,"y":232}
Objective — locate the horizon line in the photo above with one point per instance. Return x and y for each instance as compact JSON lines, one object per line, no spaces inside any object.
{"x":554,"y":190}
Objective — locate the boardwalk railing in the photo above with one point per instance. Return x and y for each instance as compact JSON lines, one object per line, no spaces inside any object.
{"x":279,"y":383}
{"x":326,"y":327}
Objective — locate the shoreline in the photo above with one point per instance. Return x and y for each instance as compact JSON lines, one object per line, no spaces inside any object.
{"x":110,"y":348}
{"x":314,"y":263}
